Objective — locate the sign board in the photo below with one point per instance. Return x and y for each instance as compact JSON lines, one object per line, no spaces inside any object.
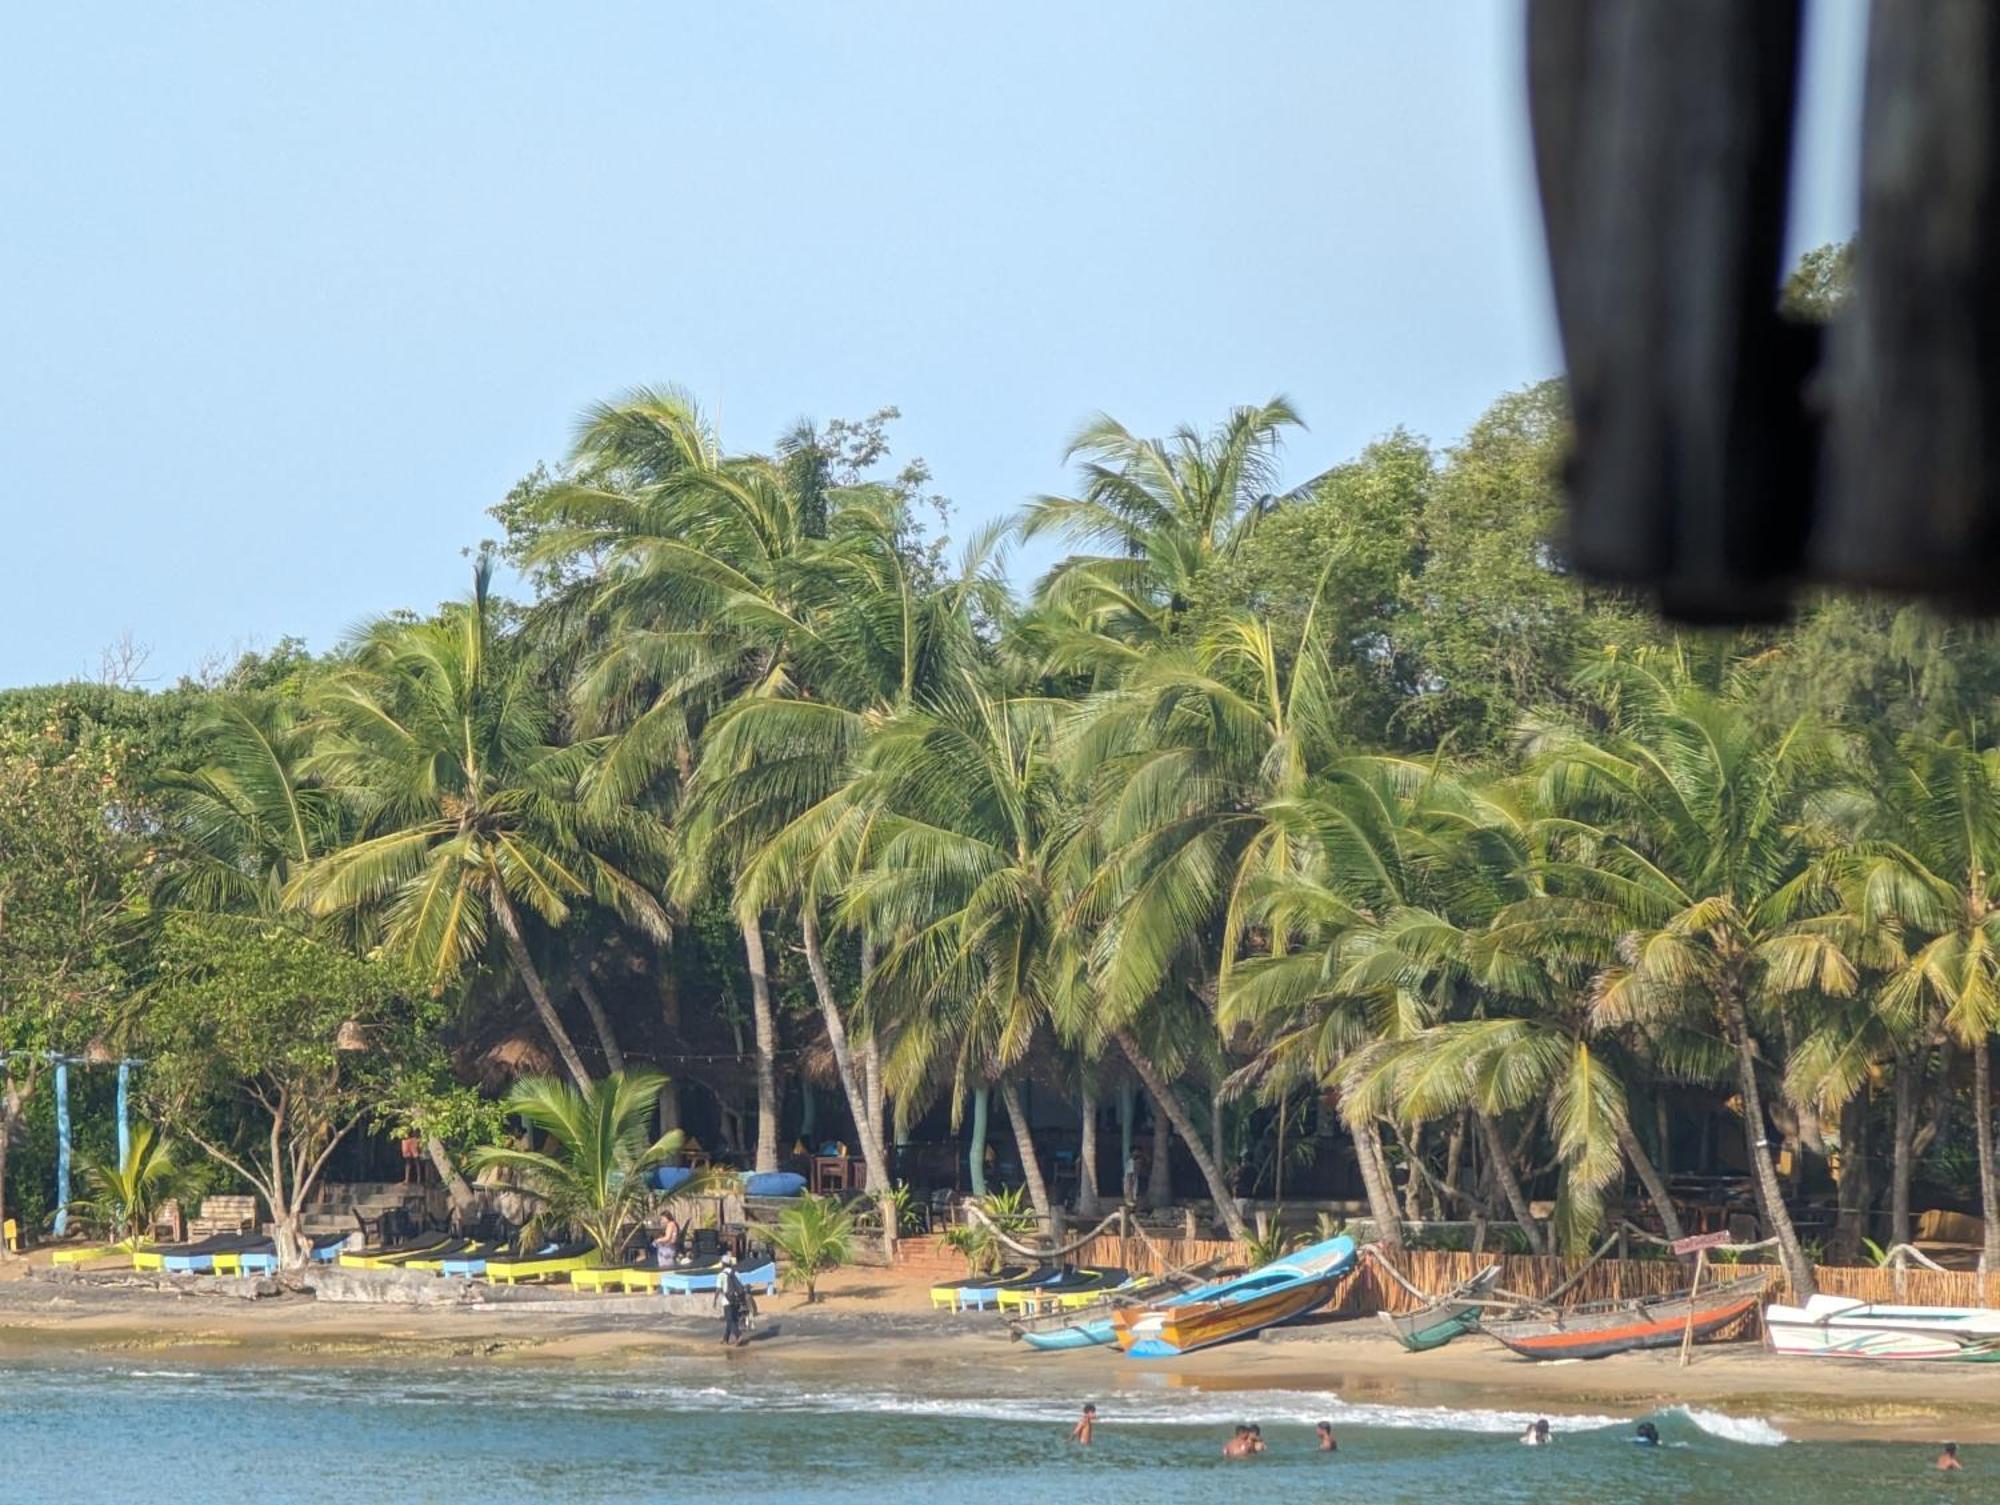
{"x":1694,"y":1243}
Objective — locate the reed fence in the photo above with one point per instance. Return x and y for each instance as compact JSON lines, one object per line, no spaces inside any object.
{"x":1368,"y":1290}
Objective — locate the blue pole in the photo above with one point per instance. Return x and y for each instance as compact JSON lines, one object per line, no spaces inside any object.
{"x":62,"y":1146}
{"x":124,"y":1112}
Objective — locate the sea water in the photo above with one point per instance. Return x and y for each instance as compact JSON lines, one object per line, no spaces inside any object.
{"x":731,"y":1432}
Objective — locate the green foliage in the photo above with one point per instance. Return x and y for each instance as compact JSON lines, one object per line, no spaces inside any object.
{"x":814,"y":1235}
{"x":125,"y":1194}
{"x":588,"y":1172}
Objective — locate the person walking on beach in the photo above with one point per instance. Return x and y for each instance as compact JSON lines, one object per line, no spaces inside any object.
{"x":1086,"y":1424}
{"x":1325,"y":1434}
{"x":1948,"y":1459}
{"x":735,"y":1298}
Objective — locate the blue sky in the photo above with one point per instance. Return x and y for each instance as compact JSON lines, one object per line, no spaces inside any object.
{"x":292,"y":294}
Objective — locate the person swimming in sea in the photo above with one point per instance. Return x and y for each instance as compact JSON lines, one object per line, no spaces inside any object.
{"x":1537,"y":1434}
{"x":1948,"y":1459}
{"x":1325,"y":1434}
{"x":1247,"y":1442}
{"x":1086,"y":1424}
{"x":1647,"y":1435}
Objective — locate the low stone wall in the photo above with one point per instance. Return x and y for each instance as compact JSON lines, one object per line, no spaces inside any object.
{"x":393,"y":1287}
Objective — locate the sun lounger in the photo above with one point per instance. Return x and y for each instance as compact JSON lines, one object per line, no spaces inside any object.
{"x":684,"y":1280}
{"x":551,"y":1263}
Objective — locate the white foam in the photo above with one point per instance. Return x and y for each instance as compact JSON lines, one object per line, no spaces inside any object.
{"x":1752,"y":1431}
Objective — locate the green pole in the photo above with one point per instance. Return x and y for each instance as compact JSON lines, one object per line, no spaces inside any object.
{"x":976,"y":1155}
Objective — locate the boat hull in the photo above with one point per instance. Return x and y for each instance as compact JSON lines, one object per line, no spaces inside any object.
{"x":1084,"y":1335}
{"x":1172,"y":1331}
{"x":1420,"y":1332}
{"x":1831,"y":1328}
{"x":1598,"y":1330}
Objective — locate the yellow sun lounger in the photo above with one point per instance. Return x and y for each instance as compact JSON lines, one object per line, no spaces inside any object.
{"x":601,"y":1280}
{"x":560,"y":1262}
{"x":92,"y":1253}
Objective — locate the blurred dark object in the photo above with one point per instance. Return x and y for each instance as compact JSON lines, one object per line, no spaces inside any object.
{"x":1663,"y":136}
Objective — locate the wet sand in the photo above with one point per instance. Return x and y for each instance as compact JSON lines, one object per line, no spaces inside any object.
{"x":875,"y":1328}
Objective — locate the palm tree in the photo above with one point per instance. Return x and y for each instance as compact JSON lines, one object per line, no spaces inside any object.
{"x":815,"y":1235}
{"x":249,"y":818}
{"x":590,"y":1180}
{"x":1930,"y":845}
{"x":1678,"y":841}
{"x":1157,"y":513}
{"x":1181,"y":764}
{"x":962,"y":802}
{"x":124,"y":1194}
{"x":438,"y":736}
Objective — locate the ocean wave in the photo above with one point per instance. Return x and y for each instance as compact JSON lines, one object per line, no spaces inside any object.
{"x":1751,"y":1431}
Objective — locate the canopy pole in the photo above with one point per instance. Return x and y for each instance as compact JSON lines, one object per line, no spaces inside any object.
{"x":124,"y":1113}
{"x":62,"y":1147}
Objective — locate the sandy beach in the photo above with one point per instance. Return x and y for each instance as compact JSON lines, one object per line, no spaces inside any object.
{"x":875,"y":1328}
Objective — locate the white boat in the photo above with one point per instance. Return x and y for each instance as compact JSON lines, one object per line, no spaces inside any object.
{"x":1840,"y":1327}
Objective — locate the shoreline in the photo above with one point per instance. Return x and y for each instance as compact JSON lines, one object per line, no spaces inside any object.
{"x":874,"y":1330}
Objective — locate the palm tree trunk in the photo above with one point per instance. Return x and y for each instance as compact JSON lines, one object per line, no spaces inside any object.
{"x":1850,"y":1222}
{"x":1902,"y":1149}
{"x":975,"y":1151}
{"x":1510,"y":1184}
{"x":1413,"y":1184}
{"x":1454,"y":1158}
{"x":1649,"y":1177}
{"x":1086,"y":1153}
{"x":766,"y":1027}
{"x":599,"y":1020}
{"x":1163,"y":1098}
{"x":1160,"y":1175}
{"x":670,"y":1017}
{"x":1982,"y":1122}
{"x":464,"y":1200}
{"x":865,"y":1128}
{"x":1770,"y":1195}
{"x":1031,"y":1166}
{"x":1381,"y":1201}
{"x":524,"y":968}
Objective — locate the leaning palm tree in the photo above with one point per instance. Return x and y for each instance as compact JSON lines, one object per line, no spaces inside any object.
{"x":468,"y":811}
{"x":248,"y":818}
{"x":1180,"y":765}
{"x":1677,"y":839}
{"x":959,"y":804}
{"x":590,"y":1179}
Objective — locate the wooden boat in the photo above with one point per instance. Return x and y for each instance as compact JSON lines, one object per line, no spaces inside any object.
{"x":1090,"y":1325}
{"x":1839,"y":1327}
{"x":1446,"y":1318}
{"x":1281,"y":1291}
{"x":1598,"y":1329}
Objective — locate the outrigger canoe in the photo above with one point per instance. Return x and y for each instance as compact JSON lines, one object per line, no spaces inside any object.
{"x":1446,"y":1318}
{"x":1838,"y":1327}
{"x":1282,"y":1291}
{"x":1091,"y":1326}
{"x":1599,"y":1329}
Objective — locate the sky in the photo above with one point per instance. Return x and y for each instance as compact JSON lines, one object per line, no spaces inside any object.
{"x":290,"y":295}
